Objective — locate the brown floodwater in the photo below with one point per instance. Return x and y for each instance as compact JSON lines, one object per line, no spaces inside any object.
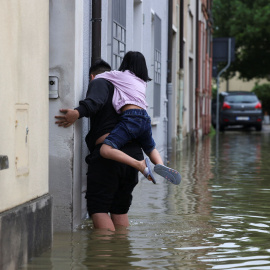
{"x":217,"y":218}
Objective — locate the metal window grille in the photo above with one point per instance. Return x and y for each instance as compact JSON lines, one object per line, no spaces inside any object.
{"x":118,"y":32}
{"x":157,"y":66}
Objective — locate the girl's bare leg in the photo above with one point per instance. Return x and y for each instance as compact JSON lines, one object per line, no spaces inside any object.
{"x":109,"y":152}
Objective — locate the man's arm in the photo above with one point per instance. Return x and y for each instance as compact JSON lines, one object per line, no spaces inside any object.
{"x":96,"y":97}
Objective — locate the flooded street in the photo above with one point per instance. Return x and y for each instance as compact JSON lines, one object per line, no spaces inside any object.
{"x":217,"y":218}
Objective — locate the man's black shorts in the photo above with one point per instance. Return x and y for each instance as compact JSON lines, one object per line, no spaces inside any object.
{"x":110,"y":183}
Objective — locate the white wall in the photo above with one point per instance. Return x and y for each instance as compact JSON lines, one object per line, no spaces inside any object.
{"x":160,"y":124}
{"x":65,"y":152}
{"x":23,"y":98}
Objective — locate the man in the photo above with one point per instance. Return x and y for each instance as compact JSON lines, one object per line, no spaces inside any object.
{"x":109,"y":183}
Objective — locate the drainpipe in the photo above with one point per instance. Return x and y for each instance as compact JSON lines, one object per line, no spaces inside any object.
{"x":169,"y":81}
{"x":181,"y":36}
{"x":96,"y":30}
{"x":197,"y":108}
{"x":181,"y":72}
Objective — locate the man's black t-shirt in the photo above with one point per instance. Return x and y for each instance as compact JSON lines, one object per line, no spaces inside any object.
{"x":98,"y":106}
{"x":109,"y":183}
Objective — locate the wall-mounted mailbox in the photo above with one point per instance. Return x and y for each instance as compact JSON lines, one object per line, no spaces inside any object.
{"x":53,"y":87}
{"x":4,"y":162}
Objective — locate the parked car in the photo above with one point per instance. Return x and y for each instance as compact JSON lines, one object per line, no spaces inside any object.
{"x":238,"y":108}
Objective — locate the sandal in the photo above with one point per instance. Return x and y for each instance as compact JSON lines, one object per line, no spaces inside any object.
{"x":148,"y":172}
{"x":169,"y":174}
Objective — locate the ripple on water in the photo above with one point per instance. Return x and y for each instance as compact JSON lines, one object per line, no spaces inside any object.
{"x":217,"y":218}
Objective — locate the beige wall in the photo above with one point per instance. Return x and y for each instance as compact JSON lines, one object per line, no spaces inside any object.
{"x":24,"y":53}
{"x":236,"y":84}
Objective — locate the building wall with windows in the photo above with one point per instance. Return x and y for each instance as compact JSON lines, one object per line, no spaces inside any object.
{"x":29,"y":49}
{"x":184,"y":72}
{"x":192,"y":65}
{"x":204,"y":69}
{"x":125,"y":25}
{"x":142,"y":26}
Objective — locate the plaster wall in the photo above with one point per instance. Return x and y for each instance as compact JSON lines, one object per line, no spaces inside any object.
{"x":65,"y":147}
{"x":189,"y":70}
{"x":24,"y":58}
{"x":236,"y":84}
{"x":85,"y":122}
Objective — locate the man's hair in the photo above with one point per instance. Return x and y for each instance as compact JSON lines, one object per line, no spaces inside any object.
{"x":135,"y":62}
{"x":98,"y":67}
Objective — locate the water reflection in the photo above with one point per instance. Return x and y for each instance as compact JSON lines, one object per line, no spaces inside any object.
{"x":240,"y":206}
{"x":218,"y":218}
{"x":87,"y":249}
{"x":108,"y":251}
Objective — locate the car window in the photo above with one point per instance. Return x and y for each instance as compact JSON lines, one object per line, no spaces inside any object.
{"x":241,"y":99}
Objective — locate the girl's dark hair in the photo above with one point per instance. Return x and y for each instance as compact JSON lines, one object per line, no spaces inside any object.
{"x":135,"y":62}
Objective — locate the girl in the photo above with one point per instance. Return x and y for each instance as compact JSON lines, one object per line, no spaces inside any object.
{"x":129,"y":100}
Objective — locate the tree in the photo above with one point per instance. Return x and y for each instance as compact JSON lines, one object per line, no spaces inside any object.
{"x":247,"y":21}
{"x":263,"y":93}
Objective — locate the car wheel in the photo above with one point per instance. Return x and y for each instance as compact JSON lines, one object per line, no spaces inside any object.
{"x":258,"y":127}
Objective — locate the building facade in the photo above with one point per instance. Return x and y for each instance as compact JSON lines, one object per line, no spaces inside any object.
{"x":204,"y":68}
{"x":125,"y":26}
{"x":25,"y":203}
{"x":47,"y":51}
{"x":175,"y":38}
{"x":192,"y":71}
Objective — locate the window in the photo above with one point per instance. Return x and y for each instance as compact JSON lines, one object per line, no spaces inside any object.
{"x":157,"y":66}
{"x":241,"y":99}
{"x":118,"y":32}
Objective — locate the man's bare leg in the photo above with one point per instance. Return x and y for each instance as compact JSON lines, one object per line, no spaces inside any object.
{"x":120,"y":220}
{"x":102,"y":221}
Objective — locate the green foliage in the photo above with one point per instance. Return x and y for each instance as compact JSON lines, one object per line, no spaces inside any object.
{"x":214,"y":92}
{"x":247,"y":21}
{"x":212,"y":131}
{"x":263,"y":93}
